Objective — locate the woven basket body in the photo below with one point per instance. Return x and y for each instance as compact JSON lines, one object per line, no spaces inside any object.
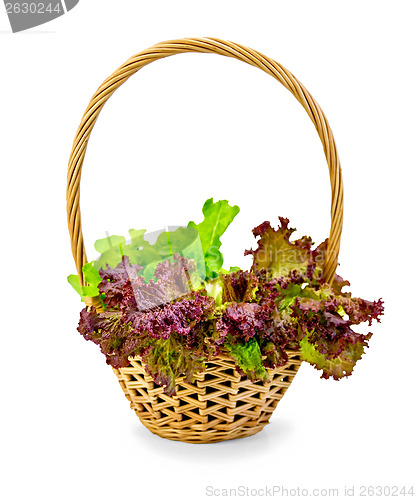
{"x":220,"y":404}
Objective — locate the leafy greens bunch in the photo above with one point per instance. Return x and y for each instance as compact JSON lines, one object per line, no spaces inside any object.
{"x":174,"y":305}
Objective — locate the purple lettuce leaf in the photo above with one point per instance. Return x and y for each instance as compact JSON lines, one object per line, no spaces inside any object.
{"x":242,"y":320}
{"x":338,"y":366}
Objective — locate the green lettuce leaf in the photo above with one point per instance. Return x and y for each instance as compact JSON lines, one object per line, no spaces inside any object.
{"x":183,"y":241}
{"x":92,"y":279}
{"x":111,"y":249}
{"x":73,"y":280}
{"x":248,"y":359}
{"x":217,"y":217}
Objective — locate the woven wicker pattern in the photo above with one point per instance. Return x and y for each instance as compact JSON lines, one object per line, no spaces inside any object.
{"x":219,"y":405}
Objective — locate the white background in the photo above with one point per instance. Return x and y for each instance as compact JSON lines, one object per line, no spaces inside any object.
{"x":182,"y":130}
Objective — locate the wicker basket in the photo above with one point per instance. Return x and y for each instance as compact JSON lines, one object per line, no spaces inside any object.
{"x":220,"y":404}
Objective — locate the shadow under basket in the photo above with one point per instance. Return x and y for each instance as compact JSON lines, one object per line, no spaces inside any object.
{"x":220,"y":405}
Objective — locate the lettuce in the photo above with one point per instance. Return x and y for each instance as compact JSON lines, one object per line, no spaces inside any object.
{"x":337,"y":366}
{"x":217,"y":217}
{"x":280,"y":257}
{"x":200,"y":243}
{"x":248,"y":359}
{"x":172,"y":303}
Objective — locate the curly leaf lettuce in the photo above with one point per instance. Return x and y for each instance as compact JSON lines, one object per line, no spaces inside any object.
{"x":92,"y":279}
{"x":280,"y":257}
{"x":248,"y":358}
{"x":167,"y":359}
{"x":336,"y":367}
{"x":171,"y":303}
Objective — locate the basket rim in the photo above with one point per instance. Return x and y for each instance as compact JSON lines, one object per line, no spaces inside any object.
{"x":223,"y":356}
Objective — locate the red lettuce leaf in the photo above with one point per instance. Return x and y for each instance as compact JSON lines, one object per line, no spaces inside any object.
{"x":179,"y":317}
{"x":338,"y":366}
{"x":242,"y":320}
{"x":281,"y":257}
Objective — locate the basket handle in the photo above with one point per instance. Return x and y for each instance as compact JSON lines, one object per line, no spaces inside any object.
{"x":224,"y":48}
